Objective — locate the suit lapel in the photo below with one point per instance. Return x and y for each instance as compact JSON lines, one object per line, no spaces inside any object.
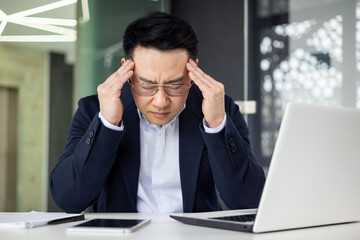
{"x":191,"y":145}
{"x":130,"y":151}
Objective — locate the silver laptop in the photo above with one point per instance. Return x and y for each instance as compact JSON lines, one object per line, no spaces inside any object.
{"x":313,"y":179}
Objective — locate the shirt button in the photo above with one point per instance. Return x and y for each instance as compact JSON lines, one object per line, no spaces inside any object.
{"x":158,"y":194}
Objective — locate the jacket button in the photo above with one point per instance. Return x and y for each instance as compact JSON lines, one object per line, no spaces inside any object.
{"x":232,"y":145}
{"x":91,"y":134}
{"x":88,"y":141}
{"x":231,"y":141}
{"x":233,"y":148}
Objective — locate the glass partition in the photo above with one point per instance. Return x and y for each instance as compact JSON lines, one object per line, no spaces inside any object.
{"x":100,"y":39}
{"x":307,"y":51}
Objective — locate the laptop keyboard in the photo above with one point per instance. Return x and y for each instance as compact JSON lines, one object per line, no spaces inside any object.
{"x":238,"y":218}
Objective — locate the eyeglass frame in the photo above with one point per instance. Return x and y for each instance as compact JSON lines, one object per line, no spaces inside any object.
{"x":161,"y":85}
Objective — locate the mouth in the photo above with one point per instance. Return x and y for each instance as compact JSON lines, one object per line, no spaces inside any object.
{"x":160,"y":115}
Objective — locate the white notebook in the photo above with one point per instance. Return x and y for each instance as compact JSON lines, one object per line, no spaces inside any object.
{"x":36,"y":219}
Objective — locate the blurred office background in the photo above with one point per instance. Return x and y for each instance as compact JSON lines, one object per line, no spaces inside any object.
{"x":266,"y":52}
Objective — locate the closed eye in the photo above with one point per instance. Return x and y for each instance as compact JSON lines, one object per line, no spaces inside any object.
{"x":148,"y":86}
{"x":174,"y":86}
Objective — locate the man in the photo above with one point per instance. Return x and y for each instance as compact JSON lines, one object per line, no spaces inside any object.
{"x":160,"y":136}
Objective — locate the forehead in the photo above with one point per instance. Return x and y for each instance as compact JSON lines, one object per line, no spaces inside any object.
{"x":159,"y":65}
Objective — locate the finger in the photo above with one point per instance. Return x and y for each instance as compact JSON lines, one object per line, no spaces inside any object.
{"x":126,"y":67}
{"x":195,"y":69}
{"x":207,"y":85}
{"x":211,"y":82}
{"x":200,"y":83}
{"x":120,"y":74}
{"x":198,"y":78}
{"x":118,"y":85}
{"x":115,"y":82}
{"x":115,"y":89}
{"x":198,"y":70}
{"x":192,"y":67}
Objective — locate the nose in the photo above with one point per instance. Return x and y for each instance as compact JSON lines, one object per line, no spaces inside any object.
{"x":161,"y":99}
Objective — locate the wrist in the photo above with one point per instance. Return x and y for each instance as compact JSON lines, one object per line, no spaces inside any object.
{"x":216,"y":123}
{"x":118,"y":127}
{"x":112,"y":121}
{"x":209,"y":129}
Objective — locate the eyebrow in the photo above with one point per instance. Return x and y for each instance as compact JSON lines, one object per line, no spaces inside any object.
{"x":175,"y":80}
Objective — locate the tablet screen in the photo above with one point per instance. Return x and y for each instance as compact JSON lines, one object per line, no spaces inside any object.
{"x":110,"y":225}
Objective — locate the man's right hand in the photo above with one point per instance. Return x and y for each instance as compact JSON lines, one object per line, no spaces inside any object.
{"x":111,"y":107}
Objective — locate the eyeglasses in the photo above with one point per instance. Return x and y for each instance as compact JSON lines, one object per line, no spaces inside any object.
{"x":150,"y":89}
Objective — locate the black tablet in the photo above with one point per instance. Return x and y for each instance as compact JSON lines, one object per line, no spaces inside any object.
{"x":102,"y":225}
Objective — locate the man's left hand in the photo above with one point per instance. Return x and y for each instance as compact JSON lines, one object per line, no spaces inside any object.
{"x":213,"y":92}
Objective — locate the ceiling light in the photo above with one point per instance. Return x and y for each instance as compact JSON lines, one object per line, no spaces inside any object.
{"x":41,"y":9}
{"x":85,"y":10}
{"x":2,"y":26}
{"x":52,"y":25}
{"x":39,"y":38}
{"x":48,"y":28}
{"x":52,"y":21}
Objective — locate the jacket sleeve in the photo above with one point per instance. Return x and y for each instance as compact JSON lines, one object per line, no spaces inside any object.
{"x":83,"y":168}
{"x":237,"y":175}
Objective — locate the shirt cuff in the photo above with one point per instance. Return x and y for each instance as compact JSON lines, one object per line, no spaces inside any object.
{"x":214,"y":130}
{"x":111,"y":126}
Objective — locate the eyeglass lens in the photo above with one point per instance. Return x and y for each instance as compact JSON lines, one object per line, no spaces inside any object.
{"x":170,"y":89}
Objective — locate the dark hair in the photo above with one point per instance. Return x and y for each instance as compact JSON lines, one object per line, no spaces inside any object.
{"x":161,"y":31}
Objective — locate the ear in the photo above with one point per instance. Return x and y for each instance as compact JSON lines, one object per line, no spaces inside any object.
{"x":197,"y":61}
{"x":123,"y":60}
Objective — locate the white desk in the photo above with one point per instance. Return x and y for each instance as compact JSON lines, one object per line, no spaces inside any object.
{"x":163,"y":227}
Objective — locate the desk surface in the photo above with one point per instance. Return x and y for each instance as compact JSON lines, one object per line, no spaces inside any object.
{"x":163,"y":227}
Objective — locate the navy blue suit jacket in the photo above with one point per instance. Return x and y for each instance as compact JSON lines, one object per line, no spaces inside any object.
{"x":100,"y":167}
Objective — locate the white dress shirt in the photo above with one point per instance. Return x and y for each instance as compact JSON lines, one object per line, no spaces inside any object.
{"x":159,"y":187}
